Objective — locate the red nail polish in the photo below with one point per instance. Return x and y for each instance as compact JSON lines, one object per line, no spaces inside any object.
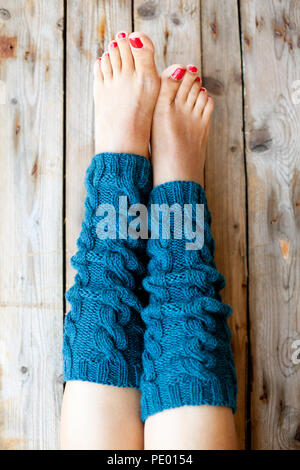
{"x":178,"y":74}
{"x":136,"y":42}
{"x":198,"y":79}
{"x":99,"y":58}
{"x":193,"y":69}
{"x":121,"y":35}
{"x":202,"y":89}
{"x":114,"y":44}
{"x":106,"y":54}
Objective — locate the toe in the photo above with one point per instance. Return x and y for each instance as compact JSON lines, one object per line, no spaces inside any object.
{"x":142,"y":50}
{"x":97,"y":70}
{"x":194,"y":93}
{"x":201,"y":102}
{"x":125,"y":51}
{"x":115,"y":57}
{"x":106,"y":66}
{"x":208,"y":109}
{"x":187,"y":83}
{"x":171,"y":79}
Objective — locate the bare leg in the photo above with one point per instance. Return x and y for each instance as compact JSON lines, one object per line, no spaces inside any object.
{"x":100,"y":417}
{"x":181,"y":124}
{"x":191,"y":427}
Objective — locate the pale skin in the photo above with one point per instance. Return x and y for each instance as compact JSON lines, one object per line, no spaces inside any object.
{"x":133,"y":105}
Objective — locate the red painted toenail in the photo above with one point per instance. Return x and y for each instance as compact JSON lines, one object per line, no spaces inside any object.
{"x":193,"y":69}
{"x":136,"y":42}
{"x":178,"y":74}
{"x":122,"y":35}
{"x":198,"y":79}
{"x":106,"y":54}
{"x":99,"y":58}
{"x":114,"y":44}
{"x":202,"y":89}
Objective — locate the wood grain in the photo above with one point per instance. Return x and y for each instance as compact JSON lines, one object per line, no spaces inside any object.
{"x":270,"y":32}
{"x":174,"y":27}
{"x":225,"y":174}
{"x":90,"y":26}
{"x":31,"y":150}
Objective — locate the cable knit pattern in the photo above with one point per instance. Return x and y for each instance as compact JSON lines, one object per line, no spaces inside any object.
{"x":187,"y":356}
{"x":103,"y":331}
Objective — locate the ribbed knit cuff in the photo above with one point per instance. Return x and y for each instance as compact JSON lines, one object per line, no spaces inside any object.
{"x":104,"y":372}
{"x":120,"y":169}
{"x":192,"y":392}
{"x":178,"y":192}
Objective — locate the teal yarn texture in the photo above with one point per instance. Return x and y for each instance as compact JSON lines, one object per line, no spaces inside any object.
{"x":103,"y":338}
{"x":187,"y":358}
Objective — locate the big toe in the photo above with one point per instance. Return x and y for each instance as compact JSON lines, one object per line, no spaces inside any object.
{"x":171,"y":79}
{"x":142,"y":50}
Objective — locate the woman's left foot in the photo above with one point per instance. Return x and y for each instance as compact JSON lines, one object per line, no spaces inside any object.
{"x":126,"y":87}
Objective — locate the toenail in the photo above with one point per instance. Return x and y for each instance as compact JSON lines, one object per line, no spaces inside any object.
{"x":113,"y":44}
{"x":193,"y":69}
{"x":136,"y":42}
{"x":106,"y":54}
{"x":121,"y":35}
{"x":99,"y":58}
{"x":178,"y":74}
{"x":202,"y":89}
{"x":198,"y":79}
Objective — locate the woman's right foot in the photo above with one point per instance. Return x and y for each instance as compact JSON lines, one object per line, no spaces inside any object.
{"x":180,"y":126}
{"x":126,"y":86}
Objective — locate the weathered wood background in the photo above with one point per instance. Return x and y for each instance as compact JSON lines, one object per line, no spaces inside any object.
{"x":249,"y":54}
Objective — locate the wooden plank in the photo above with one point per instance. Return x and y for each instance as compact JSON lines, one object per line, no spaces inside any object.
{"x":31,"y":152}
{"x":90,"y":26}
{"x":225,"y":174}
{"x":271,"y":50}
{"x":174,"y":27}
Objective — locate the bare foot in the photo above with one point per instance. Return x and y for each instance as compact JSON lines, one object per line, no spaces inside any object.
{"x":126,"y":87}
{"x":180,"y":126}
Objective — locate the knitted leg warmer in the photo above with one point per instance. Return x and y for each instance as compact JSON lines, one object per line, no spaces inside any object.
{"x":103,"y":332}
{"x":187,"y":356}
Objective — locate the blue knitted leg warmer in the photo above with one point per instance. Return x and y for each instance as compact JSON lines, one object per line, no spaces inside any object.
{"x":103,"y":337}
{"x":187,"y":356}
